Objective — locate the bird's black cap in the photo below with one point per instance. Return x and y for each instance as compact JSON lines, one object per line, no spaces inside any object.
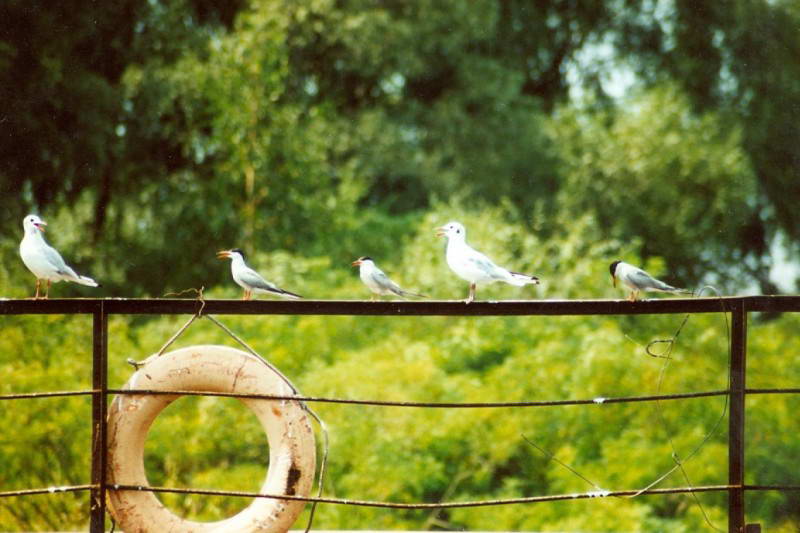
{"x":365,"y":258}
{"x":238,"y":251}
{"x":613,"y":267}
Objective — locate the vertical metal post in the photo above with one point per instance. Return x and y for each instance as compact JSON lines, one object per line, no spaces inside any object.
{"x":736,"y":521}
{"x":97,"y":498}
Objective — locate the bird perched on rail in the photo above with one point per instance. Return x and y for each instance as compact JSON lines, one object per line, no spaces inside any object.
{"x":377,"y":281}
{"x":474,"y":267}
{"x":638,"y":280}
{"x":250,"y":280}
{"x":43,"y":260}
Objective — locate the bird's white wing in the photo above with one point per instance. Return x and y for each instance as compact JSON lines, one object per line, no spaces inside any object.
{"x":382,"y":280}
{"x":57,"y":262}
{"x":253,"y":279}
{"x":643,"y":280}
{"x":250,"y":277}
{"x":485,"y":266}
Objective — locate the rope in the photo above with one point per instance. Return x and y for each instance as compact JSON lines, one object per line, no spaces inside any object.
{"x":666,"y":355}
{"x":652,"y":349}
{"x":198,"y":314}
{"x":295,"y":391}
{"x":48,"y":490}
{"x":433,"y":405}
{"x":54,"y":394}
{"x":322,"y":425}
{"x":675,"y":457}
{"x":426,"y":505}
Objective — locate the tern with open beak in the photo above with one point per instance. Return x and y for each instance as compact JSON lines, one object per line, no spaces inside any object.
{"x":250,"y":280}
{"x":43,"y":260}
{"x":377,"y":281}
{"x":474,"y":267}
{"x":638,"y":280}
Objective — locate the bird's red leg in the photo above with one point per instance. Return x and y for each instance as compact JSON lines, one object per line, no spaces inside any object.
{"x":38,"y":283}
{"x":47,"y":292}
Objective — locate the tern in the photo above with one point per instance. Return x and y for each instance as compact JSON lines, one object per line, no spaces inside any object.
{"x":43,"y":260}
{"x":377,"y":281}
{"x":250,"y":280}
{"x":638,"y":280}
{"x":473,"y":266}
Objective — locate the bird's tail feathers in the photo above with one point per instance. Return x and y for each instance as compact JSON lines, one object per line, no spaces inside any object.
{"x":286,"y":294}
{"x":661,"y":286}
{"x":524,"y":279}
{"x":411,"y":294}
{"x":85,"y":280}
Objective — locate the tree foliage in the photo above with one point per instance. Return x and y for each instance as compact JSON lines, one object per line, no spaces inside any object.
{"x":310,"y":132}
{"x":686,"y":174}
{"x":261,"y":122}
{"x":399,"y":454}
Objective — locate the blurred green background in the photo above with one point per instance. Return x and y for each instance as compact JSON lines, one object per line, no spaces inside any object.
{"x":150,"y":134}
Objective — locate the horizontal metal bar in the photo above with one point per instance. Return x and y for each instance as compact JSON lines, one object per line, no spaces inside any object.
{"x":55,"y":394}
{"x":49,"y":307}
{"x":439,"y":505}
{"x":447,"y":405}
{"x":772,"y":487}
{"x":586,"y":495}
{"x":403,"y":308}
{"x":772,"y":391}
{"x":48,"y":490}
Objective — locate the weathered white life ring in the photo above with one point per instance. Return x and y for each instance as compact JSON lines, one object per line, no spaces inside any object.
{"x":292,"y":454}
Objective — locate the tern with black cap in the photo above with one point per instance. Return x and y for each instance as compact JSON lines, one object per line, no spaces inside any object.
{"x":638,"y":280}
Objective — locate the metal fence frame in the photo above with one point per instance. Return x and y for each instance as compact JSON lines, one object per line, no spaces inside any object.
{"x":737,"y":307}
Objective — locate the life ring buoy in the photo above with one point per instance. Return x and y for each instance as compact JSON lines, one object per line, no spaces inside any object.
{"x":292,"y":454}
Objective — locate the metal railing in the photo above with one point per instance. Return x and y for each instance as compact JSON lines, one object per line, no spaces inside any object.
{"x":738,"y":309}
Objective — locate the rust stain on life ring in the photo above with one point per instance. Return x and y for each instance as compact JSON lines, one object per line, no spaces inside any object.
{"x":217,"y":368}
{"x":291,"y":480}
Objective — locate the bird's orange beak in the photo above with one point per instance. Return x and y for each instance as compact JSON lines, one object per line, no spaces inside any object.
{"x":40,"y":226}
{"x":440,"y":232}
{"x":356,"y":263}
{"x":224,"y":254}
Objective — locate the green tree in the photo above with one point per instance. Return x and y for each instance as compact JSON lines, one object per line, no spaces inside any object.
{"x":412,"y":454}
{"x":679,"y":183}
{"x":258,"y":123}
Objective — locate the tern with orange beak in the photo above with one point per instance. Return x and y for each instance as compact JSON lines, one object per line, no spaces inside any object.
{"x":638,"y":280}
{"x":250,"y":280}
{"x":43,"y":260}
{"x":377,"y":281}
{"x":474,"y":267}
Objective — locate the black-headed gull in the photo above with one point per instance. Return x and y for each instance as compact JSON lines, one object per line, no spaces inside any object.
{"x":474,"y":267}
{"x":43,"y":260}
{"x":638,"y":280}
{"x":250,"y":280}
{"x":377,"y":281}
